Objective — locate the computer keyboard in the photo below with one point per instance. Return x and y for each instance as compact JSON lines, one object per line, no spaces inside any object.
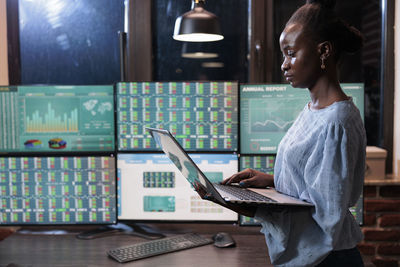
{"x":157,"y":247}
{"x":242,"y":193}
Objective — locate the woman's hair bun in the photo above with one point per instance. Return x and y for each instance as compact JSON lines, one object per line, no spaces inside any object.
{"x":322,"y":24}
{"x":352,"y":39}
{"x":328,"y":4}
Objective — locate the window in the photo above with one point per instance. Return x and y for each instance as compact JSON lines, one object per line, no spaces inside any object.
{"x":70,"y":42}
{"x":230,"y":62}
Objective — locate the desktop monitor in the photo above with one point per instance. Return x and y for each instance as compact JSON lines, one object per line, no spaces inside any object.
{"x":45,"y":190}
{"x":56,"y":119}
{"x":203,"y":116}
{"x":268,"y":111}
{"x":151,"y":188}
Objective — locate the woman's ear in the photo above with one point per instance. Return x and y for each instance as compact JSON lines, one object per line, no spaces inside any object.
{"x":325,"y":49}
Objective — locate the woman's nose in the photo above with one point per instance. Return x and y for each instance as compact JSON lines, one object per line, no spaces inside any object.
{"x":285,"y":65}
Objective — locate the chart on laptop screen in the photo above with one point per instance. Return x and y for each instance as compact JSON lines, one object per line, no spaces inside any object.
{"x":150,"y":187}
{"x":268,"y":111}
{"x":56,"y":118}
{"x":57,"y":190}
{"x":203,"y":116}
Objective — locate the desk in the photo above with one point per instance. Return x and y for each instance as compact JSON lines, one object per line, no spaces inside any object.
{"x":67,"y":250}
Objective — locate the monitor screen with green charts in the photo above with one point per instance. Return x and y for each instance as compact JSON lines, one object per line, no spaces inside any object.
{"x":268,"y":111}
{"x":56,"y":119}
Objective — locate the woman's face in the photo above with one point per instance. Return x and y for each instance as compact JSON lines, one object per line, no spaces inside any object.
{"x":301,"y":60}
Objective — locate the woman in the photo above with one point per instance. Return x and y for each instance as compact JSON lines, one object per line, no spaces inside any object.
{"x":321,"y":158}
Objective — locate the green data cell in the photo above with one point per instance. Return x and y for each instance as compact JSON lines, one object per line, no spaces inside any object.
{"x":159,"y":203}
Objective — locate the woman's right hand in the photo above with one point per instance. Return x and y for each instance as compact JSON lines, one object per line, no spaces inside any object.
{"x":251,"y":178}
{"x":239,"y":208}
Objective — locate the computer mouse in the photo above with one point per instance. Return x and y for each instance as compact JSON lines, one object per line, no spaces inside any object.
{"x":223,"y":240}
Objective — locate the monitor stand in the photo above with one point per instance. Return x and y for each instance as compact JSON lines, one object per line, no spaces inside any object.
{"x":134,"y":229}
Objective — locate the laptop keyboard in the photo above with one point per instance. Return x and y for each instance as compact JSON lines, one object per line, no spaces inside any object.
{"x":243,"y":194}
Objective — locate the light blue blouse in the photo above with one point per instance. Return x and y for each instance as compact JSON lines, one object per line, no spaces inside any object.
{"x":321,"y":160}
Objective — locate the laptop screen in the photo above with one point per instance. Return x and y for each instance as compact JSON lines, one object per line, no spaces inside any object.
{"x":179,"y":158}
{"x":182,"y":161}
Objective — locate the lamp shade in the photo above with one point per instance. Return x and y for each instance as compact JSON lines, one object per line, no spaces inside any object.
{"x":197,"y":25}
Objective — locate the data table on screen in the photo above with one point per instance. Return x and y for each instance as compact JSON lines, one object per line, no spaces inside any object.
{"x":57,"y":190}
{"x":150,"y":187}
{"x":203,"y":116}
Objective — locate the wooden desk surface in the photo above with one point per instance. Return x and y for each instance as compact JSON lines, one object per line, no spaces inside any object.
{"x":67,"y":250}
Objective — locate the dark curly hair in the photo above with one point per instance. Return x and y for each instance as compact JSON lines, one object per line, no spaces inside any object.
{"x":321,"y":23}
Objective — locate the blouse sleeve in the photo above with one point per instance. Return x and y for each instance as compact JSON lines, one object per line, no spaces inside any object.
{"x":329,"y":177}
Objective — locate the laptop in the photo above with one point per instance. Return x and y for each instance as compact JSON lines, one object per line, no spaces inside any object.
{"x":222,"y":193}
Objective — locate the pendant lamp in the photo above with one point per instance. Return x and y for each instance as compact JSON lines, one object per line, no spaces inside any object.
{"x":197,"y":25}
